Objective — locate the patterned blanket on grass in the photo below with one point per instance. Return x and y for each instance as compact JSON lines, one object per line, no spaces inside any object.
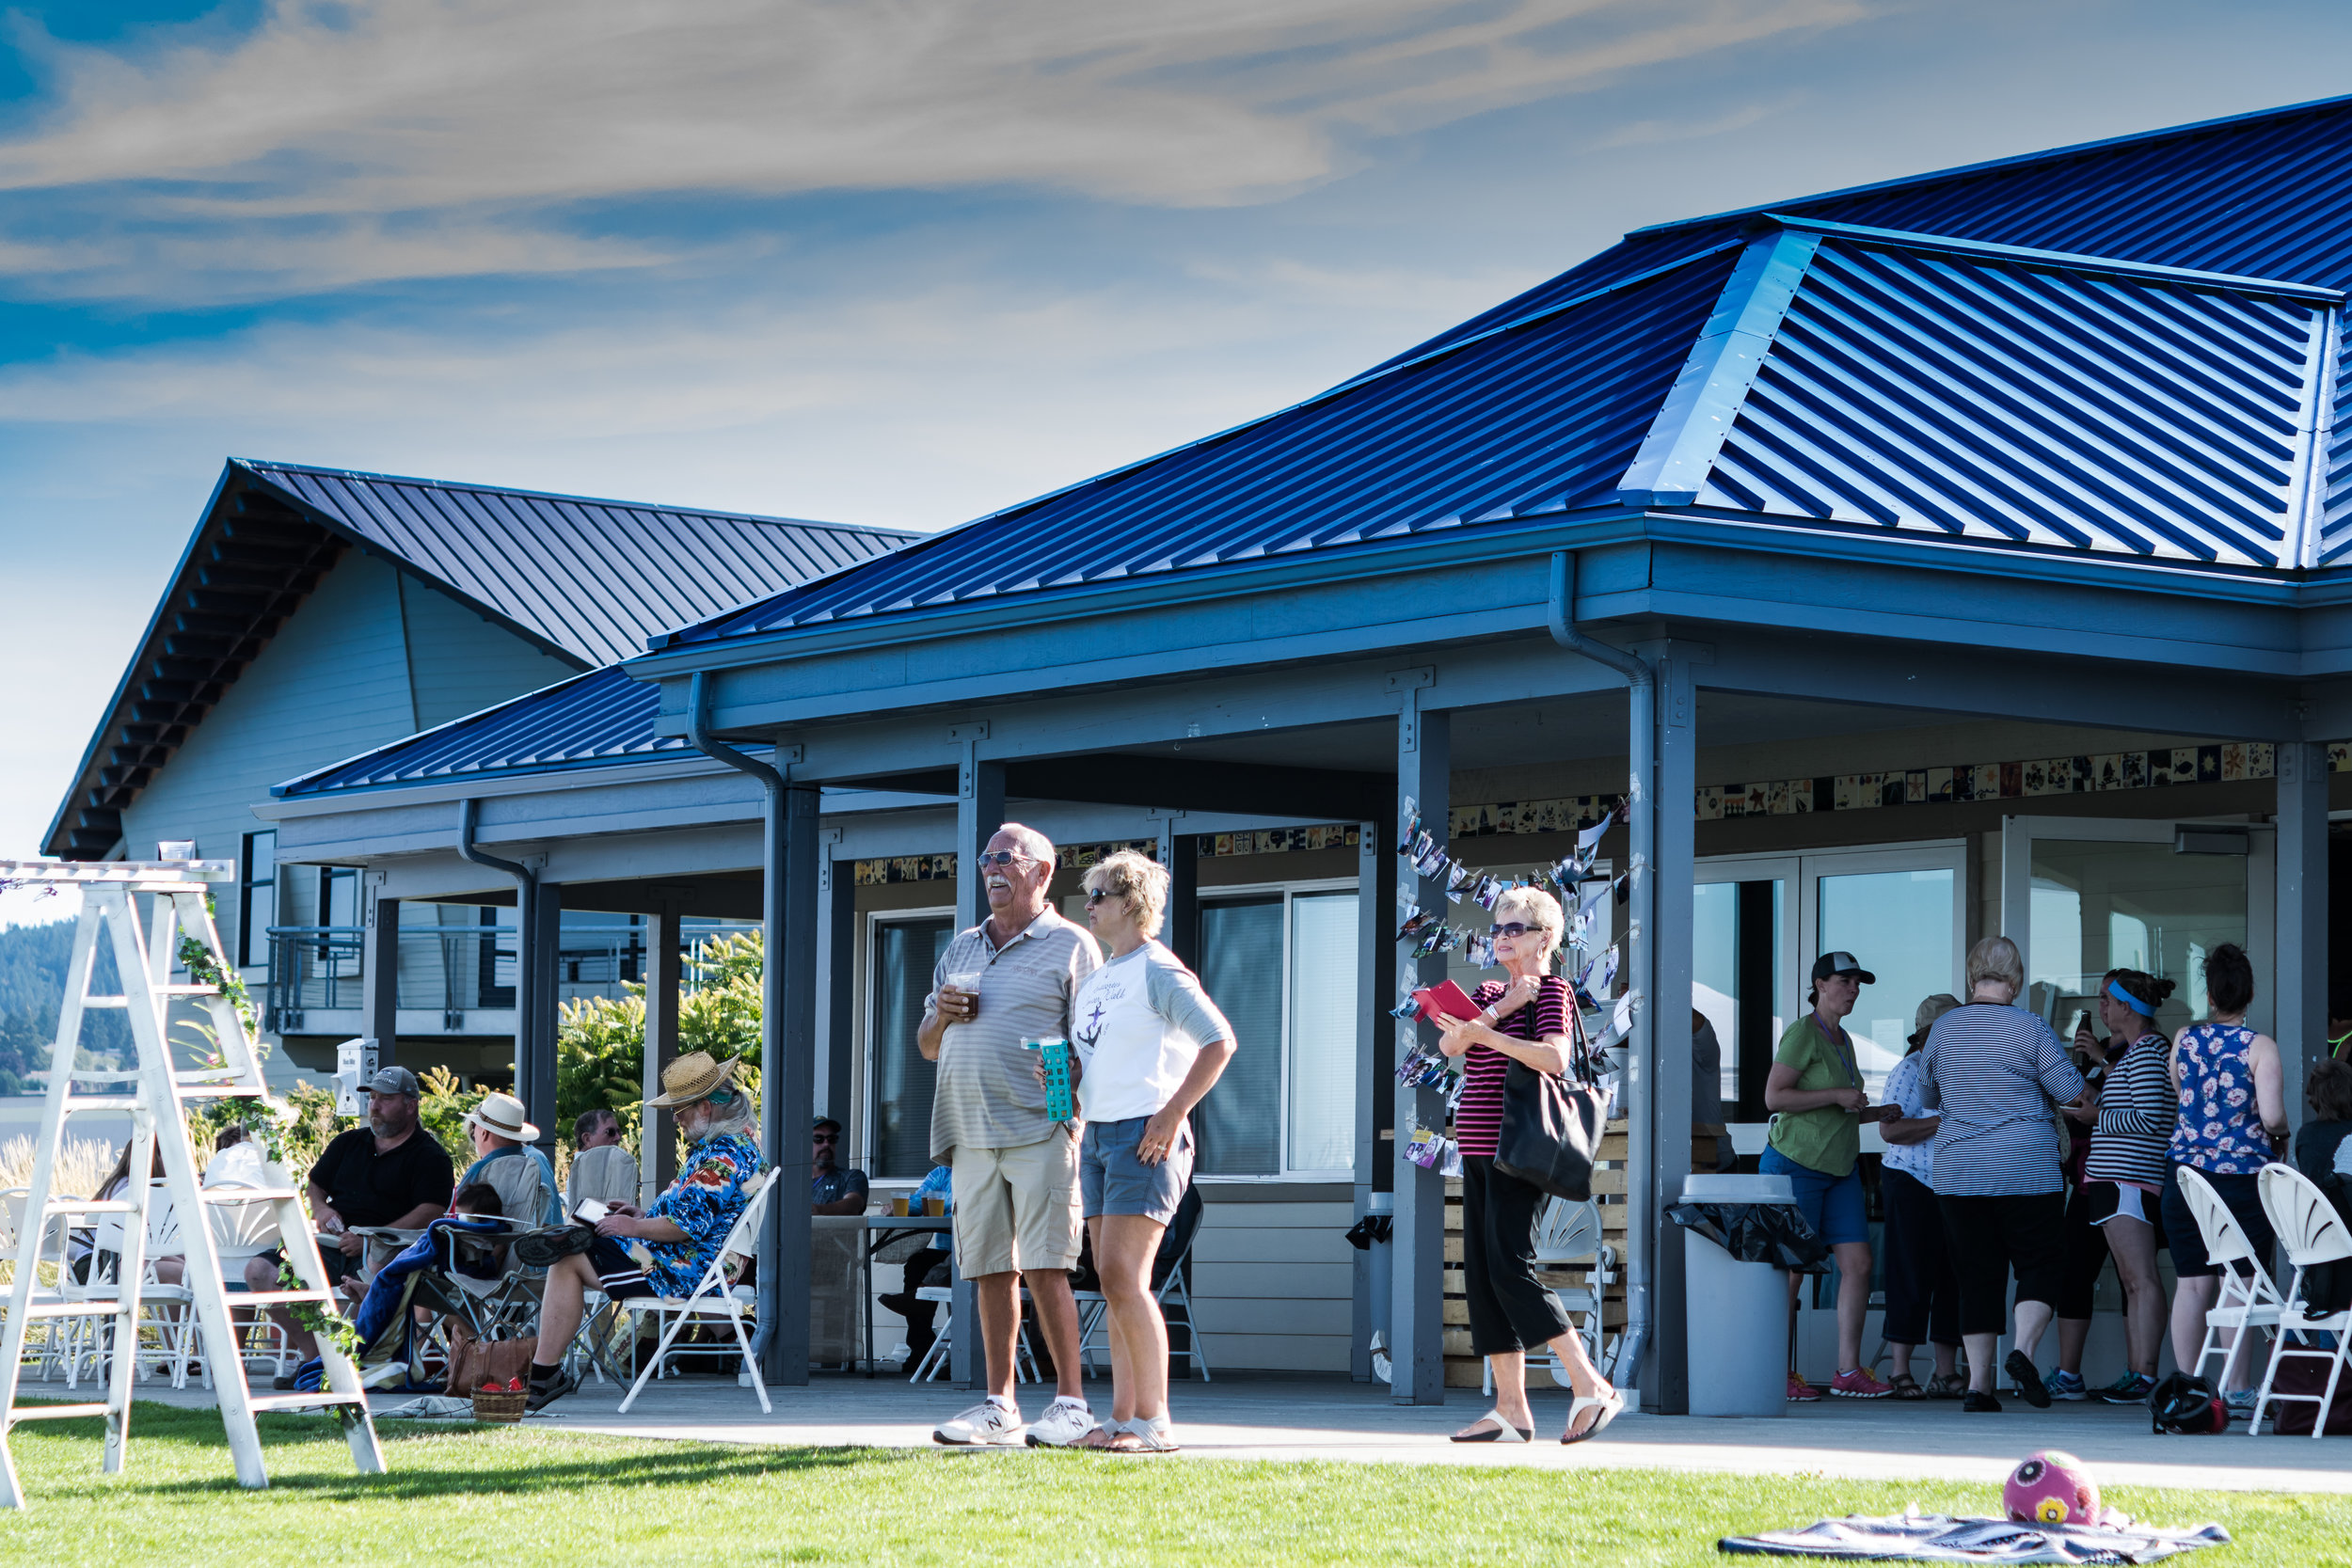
{"x":1932,"y":1538}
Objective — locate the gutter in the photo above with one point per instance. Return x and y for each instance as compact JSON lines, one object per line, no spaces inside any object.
{"x":535,"y":1041}
{"x":1642,"y":839}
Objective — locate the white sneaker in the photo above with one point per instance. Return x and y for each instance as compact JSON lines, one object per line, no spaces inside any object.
{"x":987,"y":1424}
{"x":1064,"y":1423}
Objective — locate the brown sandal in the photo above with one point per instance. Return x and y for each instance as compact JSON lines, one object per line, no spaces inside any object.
{"x":1906,"y":1387}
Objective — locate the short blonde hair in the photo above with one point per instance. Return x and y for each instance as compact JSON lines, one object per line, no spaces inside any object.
{"x":1995,"y":958}
{"x":1537,"y":908}
{"x":1136,"y":881}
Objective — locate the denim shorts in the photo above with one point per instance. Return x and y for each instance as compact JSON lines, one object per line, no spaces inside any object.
{"x":1831,"y":1204}
{"x":1113,"y":1179}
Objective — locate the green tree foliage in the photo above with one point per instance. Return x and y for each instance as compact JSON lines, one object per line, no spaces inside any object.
{"x":33,"y":962}
{"x":600,"y":1041}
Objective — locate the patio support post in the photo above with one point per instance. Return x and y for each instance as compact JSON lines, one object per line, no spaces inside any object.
{"x":379,"y":968}
{"x":836,"y":960}
{"x":979,"y":812}
{"x":1668,"y":930}
{"x":657,"y":1135}
{"x":545,"y":954}
{"x":1375,"y":961}
{"x":1181,"y":853}
{"x":787,"y":1076}
{"x":1416,"y":1310}
{"x":2301,"y":1012}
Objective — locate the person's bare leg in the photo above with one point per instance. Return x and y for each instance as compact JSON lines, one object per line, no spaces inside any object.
{"x":1899,"y":1358}
{"x":1795,"y":1281}
{"x":1947,"y":1359}
{"x":1854,"y":1299}
{"x":1125,"y":1246}
{"x":1057,"y":1318}
{"x":262,"y":1274}
{"x":2033,"y":1320}
{"x":2134,"y":1244}
{"x":1980,"y":1361}
{"x":2192,"y":1298}
{"x":2074,"y":1333}
{"x":1510,"y":1370}
{"x":1584,"y":1378}
{"x":560,"y":1305}
{"x":998,"y":1296}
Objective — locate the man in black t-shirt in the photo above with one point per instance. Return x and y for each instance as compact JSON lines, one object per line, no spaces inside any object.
{"x":390,"y":1172}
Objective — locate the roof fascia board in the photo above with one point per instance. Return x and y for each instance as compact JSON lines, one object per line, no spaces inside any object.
{"x":2103,"y":266}
{"x":2021,"y":160}
{"x":501,"y":782}
{"x":1671,"y":465}
{"x":142,"y":653}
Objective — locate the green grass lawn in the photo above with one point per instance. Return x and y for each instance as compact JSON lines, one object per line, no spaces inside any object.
{"x":521,"y":1494}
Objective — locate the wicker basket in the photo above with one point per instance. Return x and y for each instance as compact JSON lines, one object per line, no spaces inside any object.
{"x":499,"y":1404}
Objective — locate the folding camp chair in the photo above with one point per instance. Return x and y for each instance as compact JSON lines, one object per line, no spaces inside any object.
{"x":2249,"y":1300}
{"x":713,"y":1299}
{"x":2313,"y":1233}
{"x":1168,"y":1288}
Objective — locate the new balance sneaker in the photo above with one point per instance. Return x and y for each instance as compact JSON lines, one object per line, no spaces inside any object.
{"x":2131,"y":1388}
{"x":987,"y":1424}
{"x":2064,"y":1385}
{"x":1859,"y":1384}
{"x":1799,"y":1391}
{"x":1064,"y":1423}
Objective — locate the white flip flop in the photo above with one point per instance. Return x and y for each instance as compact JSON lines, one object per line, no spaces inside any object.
{"x":1504,"y":1433}
{"x":1609,"y":1405}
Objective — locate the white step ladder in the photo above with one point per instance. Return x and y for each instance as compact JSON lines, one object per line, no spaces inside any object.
{"x":154,"y":1101}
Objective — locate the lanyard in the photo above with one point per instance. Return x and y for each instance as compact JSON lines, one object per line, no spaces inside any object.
{"x":1844,"y":1049}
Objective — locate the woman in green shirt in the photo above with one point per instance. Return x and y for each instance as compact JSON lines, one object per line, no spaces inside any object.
{"x":1818,"y":1105}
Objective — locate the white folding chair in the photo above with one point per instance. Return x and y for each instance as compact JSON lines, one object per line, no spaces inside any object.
{"x":2249,"y":1300}
{"x":2313,"y":1233}
{"x":935,"y":1356}
{"x":1569,"y":1233}
{"x":713,"y":1299}
{"x":42,"y":1341}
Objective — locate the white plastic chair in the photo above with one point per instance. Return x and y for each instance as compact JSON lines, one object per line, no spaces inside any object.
{"x":713,"y":1299}
{"x":42,"y":1342}
{"x":242,"y":1232}
{"x":2313,"y":1233}
{"x":1568,"y":1233}
{"x":2249,"y":1300}
{"x":175,"y":1330}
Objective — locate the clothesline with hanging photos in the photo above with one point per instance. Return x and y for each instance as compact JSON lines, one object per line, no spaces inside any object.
{"x":1581,"y":894}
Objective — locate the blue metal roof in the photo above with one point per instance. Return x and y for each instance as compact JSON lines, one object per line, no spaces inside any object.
{"x":1890,"y":382}
{"x":2264,"y":195}
{"x":602,"y":717}
{"x":1542,"y":417}
{"x":593,"y":579}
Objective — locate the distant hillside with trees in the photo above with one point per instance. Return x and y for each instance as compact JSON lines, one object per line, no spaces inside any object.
{"x":32,"y":987}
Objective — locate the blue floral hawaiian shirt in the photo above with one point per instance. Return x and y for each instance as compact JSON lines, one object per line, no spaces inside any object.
{"x":705,"y":1201}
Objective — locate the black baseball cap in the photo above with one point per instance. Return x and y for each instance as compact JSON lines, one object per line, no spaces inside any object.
{"x":1842,"y":963}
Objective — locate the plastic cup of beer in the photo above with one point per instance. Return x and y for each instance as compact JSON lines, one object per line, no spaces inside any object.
{"x":898,"y":1207}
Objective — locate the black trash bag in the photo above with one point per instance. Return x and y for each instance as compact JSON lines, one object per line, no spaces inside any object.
{"x":1371,"y":1229}
{"x":1774,"y":1233}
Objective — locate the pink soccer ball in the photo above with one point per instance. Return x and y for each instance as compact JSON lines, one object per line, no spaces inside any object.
{"x":2051,"y":1488}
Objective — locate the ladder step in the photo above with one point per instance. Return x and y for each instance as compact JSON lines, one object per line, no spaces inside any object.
{"x":87,"y":1206}
{"x":297,"y":1402}
{"x":105,"y":1002}
{"x":73,"y":1309}
{"x":53,"y":1412}
{"x":277,"y":1298}
{"x":246,"y":1194}
{"x":75,"y":1103}
{"x":223,"y":1091}
{"x":194,"y":989}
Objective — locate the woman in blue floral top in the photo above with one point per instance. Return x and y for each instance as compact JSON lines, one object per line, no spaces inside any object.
{"x":666,"y":1250}
{"x":2233,"y":1119}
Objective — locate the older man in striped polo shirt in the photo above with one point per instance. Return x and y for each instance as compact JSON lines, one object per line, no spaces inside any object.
{"x":1007,"y":979}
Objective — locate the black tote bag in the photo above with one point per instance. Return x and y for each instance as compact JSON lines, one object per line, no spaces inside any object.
{"x":1552,"y":1127}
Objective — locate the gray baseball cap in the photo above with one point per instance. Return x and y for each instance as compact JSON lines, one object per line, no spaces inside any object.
{"x":395,"y":1080}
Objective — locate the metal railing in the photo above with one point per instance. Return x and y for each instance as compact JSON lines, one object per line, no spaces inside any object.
{"x":456,"y":970}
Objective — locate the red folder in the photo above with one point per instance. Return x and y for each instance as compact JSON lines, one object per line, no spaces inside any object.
{"x":1444,"y":1000}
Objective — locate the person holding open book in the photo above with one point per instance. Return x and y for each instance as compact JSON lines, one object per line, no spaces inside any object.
{"x":1524,"y":1019}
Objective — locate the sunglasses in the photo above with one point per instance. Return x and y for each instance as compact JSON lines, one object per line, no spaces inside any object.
{"x":991,"y":859}
{"x":1511,"y":928}
{"x":1096,"y":896}
{"x":827,"y":1137}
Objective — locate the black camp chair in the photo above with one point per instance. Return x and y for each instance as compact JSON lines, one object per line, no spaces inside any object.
{"x":1168,"y":1284}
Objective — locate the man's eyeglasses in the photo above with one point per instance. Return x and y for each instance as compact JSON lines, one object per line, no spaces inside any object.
{"x":991,"y":859}
{"x":1510,"y":929}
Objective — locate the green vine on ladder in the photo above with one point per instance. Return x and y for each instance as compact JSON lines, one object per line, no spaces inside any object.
{"x":321,"y":1323}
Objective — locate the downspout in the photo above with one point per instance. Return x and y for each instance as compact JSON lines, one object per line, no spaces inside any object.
{"x":527,"y":1038}
{"x":771,"y":916}
{"x":1641,"y":843}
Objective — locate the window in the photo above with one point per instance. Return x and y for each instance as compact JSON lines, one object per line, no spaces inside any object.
{"x":1282,"y":965}
{"x":256,"y":899}
{"x":906,"y":952}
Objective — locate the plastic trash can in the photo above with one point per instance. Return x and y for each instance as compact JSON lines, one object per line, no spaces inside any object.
{"x":1736,"y":1312}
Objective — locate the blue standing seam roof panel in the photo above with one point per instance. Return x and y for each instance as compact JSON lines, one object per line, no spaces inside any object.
{"x":595,"y":579}
{"x":2030,"y":404}
{"x":1540,"y":418}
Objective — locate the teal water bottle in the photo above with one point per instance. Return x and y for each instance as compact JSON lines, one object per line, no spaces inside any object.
{"x":1059,"y":1103}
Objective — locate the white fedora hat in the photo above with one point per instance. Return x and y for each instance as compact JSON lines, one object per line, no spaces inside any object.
{"x":502,"y":1114}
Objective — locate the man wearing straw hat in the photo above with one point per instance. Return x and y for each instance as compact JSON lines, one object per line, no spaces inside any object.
{"x":505,"y":1160}
{"x":661,"y":1251}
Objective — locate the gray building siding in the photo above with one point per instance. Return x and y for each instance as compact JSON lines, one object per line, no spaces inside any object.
{"x":460,"y":662}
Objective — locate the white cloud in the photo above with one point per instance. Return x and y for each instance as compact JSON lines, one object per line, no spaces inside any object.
{"x":284,"y":153}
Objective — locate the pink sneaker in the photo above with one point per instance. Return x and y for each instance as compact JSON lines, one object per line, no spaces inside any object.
{"x":1802,"y":1392}
{"x":1859,"y":1385}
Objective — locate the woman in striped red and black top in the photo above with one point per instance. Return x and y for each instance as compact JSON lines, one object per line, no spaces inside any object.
{"x":1524,"y":1019}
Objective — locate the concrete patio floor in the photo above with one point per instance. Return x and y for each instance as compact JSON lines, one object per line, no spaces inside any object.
{"x":1290,"y":1418}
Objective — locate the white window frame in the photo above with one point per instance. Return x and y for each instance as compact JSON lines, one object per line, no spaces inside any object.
{"x":875,"y":921}
{"x":1289,"y":890}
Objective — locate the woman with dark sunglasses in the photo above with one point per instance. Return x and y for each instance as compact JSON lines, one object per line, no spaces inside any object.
{"x":1523,"y":1019}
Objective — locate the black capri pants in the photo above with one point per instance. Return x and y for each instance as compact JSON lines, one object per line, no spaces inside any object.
{"x":1510,"y":1309}
{"x":1990,"y":1236}
{"x":1922,"y":1291}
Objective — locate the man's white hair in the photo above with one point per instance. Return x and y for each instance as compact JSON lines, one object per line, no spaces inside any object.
{"x":1029,"y":842}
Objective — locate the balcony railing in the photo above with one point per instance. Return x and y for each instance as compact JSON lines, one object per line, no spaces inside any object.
{"x":454,"y":969}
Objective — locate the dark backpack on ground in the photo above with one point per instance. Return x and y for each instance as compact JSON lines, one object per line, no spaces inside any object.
{"x":2182,"y":1403}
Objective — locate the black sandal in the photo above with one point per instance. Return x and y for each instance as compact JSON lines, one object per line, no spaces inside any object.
{"x":1947,"y":1386}
{"x":1906,"y":1387}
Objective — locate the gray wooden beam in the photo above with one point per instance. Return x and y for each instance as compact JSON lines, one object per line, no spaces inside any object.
{"x":1665,"y":1385}
{"x":379,"y":976}
{"x":657,"y":1135}
{"x":789,"y":1084}
{"x":979,"y":812}
{"x":2301,"y":1013}
{"x":1417,"y":1314}
{"x":1375,"y":1050}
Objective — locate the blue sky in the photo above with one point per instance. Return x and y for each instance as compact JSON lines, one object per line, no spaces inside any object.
{"x":895,"y":261}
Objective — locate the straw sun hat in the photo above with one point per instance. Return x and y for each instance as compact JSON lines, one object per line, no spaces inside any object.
{"x":696,"y":1075}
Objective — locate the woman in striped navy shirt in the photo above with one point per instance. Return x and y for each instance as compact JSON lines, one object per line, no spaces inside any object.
{"x":1526,"y":1019}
